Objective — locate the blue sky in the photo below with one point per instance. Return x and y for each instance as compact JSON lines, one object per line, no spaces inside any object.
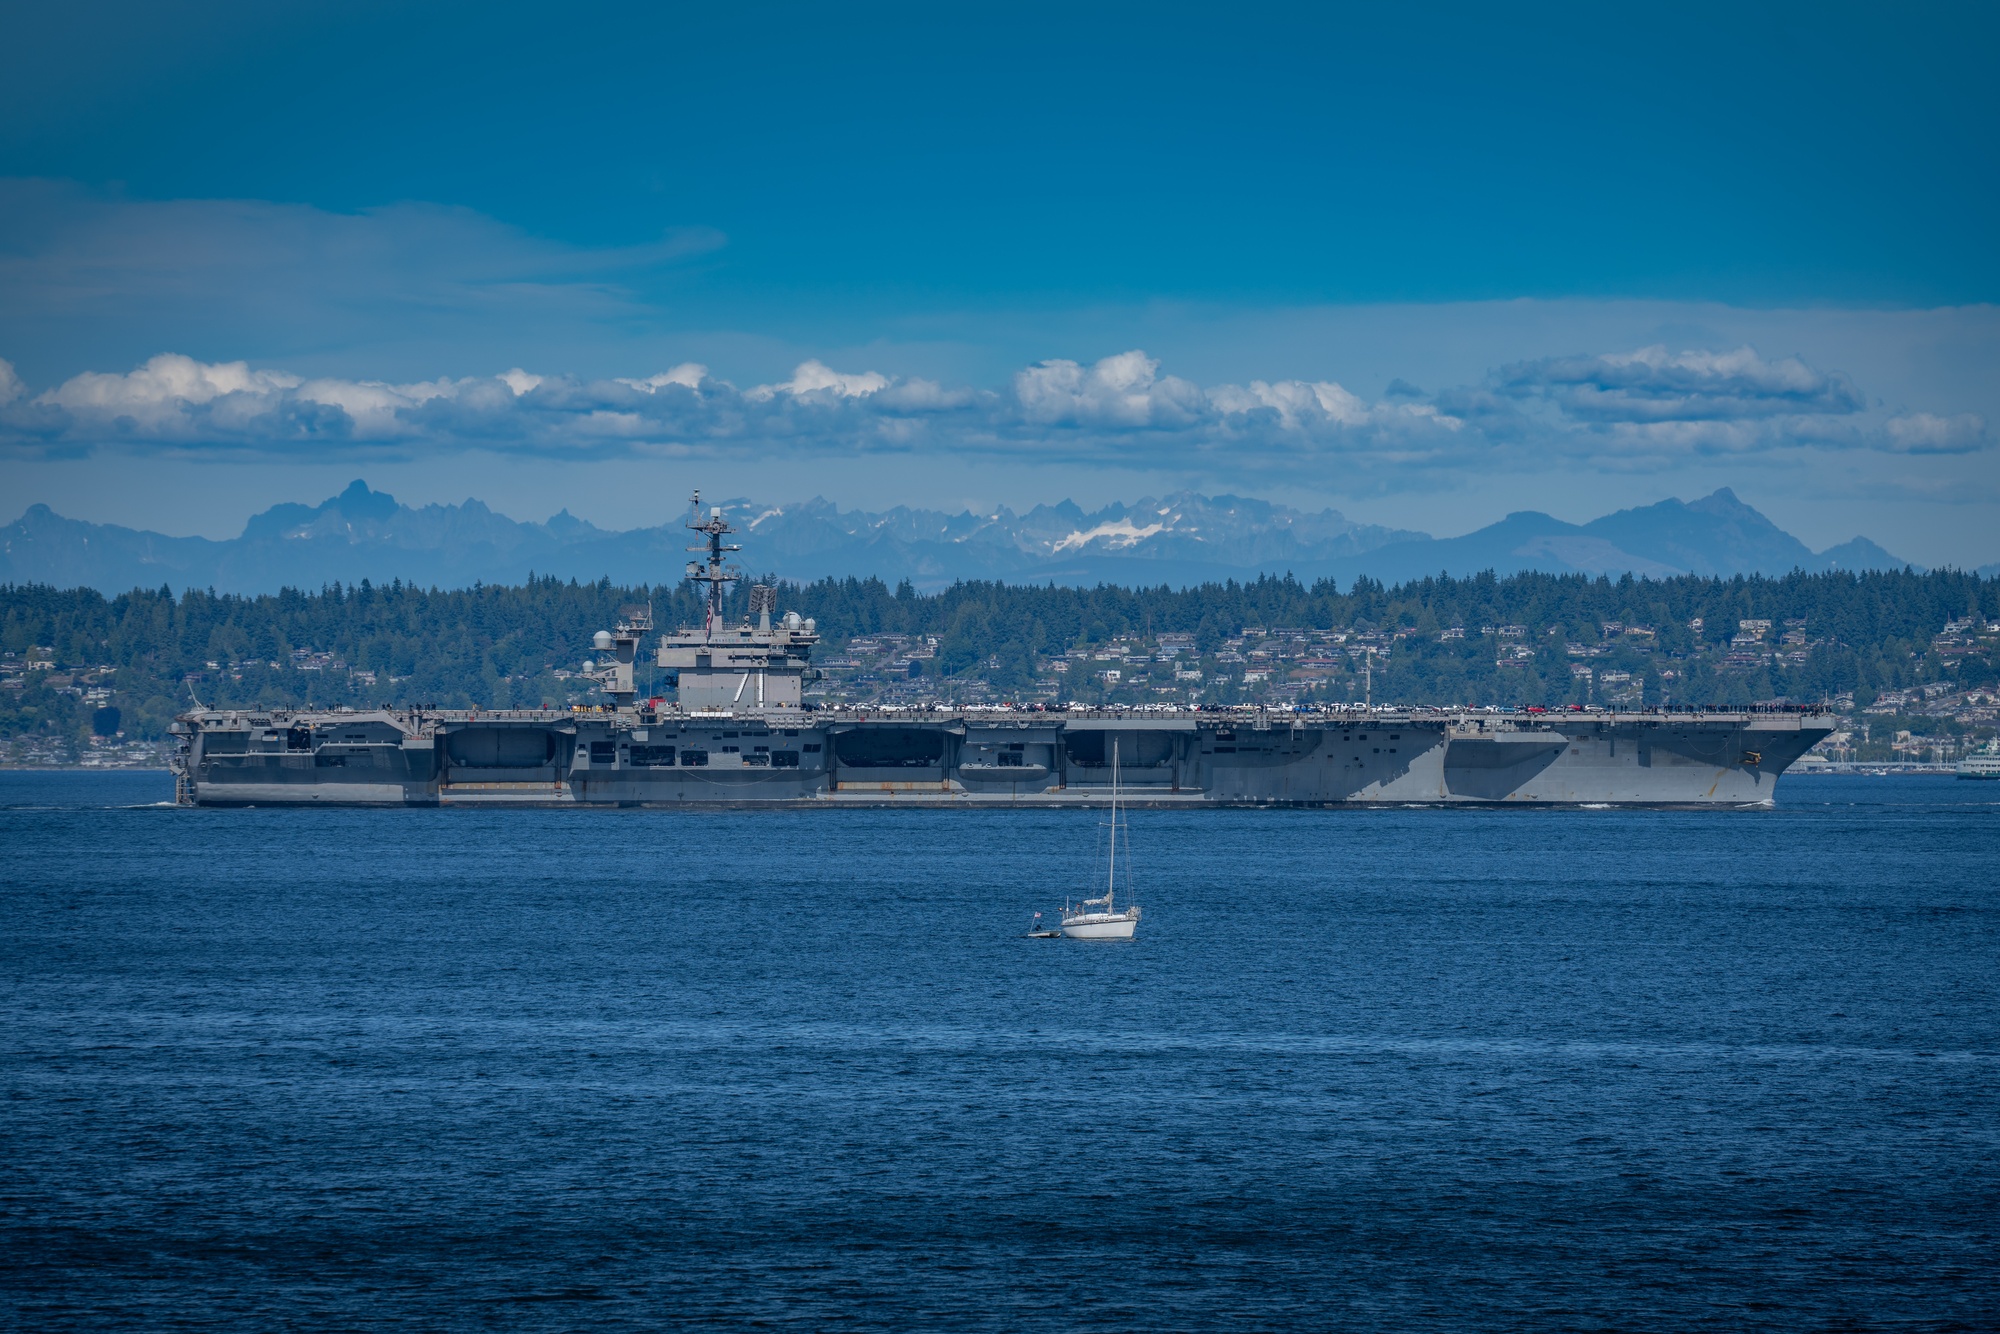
{"x":1427,"y":265}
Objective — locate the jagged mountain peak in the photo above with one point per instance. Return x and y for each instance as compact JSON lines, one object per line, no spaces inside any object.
{"x":566,"y":525}
{"x":1717,"y":534}
{"x":1182,"y":537}
{"x":358,"y":502}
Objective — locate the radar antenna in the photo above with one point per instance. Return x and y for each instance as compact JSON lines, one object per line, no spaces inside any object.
{"x":714,"y":574}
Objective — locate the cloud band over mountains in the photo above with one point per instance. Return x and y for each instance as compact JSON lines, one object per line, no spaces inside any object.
{"x":1629,"y":410}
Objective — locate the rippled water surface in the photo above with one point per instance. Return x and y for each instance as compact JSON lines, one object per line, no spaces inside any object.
{"x":1403,"y":1069}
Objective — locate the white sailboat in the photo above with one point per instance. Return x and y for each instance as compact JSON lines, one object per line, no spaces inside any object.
{"x":1099,"y":918}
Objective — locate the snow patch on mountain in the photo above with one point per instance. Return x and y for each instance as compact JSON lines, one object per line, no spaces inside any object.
{"x":1117,"y":534}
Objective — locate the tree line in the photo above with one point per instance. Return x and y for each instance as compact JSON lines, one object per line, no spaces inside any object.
{"x":497,"y":645}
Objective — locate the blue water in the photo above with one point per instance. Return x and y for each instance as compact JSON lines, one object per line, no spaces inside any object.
{"x":1395,"y":1070}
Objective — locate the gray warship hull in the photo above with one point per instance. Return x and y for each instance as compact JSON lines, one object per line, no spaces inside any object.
{"x":739,"y":732}
{"x":978,"y":758}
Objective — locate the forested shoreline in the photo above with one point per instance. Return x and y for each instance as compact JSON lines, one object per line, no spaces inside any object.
{"x":71,"y":652}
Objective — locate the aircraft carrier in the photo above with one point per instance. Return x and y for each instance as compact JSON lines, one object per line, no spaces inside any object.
{"x":739,"y":731}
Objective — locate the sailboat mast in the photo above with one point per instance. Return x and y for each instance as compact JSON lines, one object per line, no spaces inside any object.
{"x":1111,"y":874}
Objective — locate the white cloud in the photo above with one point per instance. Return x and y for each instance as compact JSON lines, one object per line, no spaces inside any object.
{"x":918,"y":395}
{"x":1296,"y":402}
{"x":688,"y":375}
{"x":163,"y":385}
{"x":1617,"y":411}
{"x":171,"y":397}
{"x":174,"y":398}
{"x":1925,"y":433}
{"x":813,"y":377}
{"x":373,"y":405}
{"x":1653,"y":408}
{"x":1653,"y":384}
{"x":1323,"y":406}
{"x":1124,"y":390}
{"x":11,"y":387}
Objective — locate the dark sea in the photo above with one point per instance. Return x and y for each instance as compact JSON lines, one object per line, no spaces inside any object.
{"x":1361,"y":1070}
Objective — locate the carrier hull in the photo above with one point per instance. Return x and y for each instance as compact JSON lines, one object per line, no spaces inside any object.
{"x":982,"y":758}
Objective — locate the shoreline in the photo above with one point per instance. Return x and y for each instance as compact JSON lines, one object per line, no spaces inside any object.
{"x":1875,"y":771}
{"x":1821,"y":771}
{"x":84,"y":769}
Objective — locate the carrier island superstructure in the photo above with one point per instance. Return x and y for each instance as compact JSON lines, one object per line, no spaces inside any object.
{"x":739,"y":731}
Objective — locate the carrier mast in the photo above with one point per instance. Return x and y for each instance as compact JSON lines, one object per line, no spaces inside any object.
{"x":714,"y":574}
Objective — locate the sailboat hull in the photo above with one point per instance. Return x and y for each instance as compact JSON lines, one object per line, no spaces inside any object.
{"x":1100,"y":926}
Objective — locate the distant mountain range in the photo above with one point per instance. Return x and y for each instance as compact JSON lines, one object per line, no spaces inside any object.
{"x":1179,"y":539}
